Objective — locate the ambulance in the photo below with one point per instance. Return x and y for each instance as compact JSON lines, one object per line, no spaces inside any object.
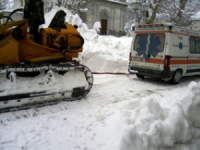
{"x":164,"y":51}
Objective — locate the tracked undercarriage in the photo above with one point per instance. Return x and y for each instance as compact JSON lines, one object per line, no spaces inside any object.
{"x":41,"y":91}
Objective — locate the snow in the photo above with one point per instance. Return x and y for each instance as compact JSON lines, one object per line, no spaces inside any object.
{"x":121,"y":112}
{"x":97,"y":26}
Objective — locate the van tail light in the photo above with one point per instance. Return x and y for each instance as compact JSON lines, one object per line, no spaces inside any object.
{"x":167,"y":61}
{"x":130,"y":57}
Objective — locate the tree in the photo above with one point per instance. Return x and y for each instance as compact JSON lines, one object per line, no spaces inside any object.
{"x":48,"y":5}
{"x":152,"y":11}
{"x":144,"y":17}
{"x":129,"y":19}
{"x":4,"y":4}
{"x":179,"y":12}
{"x":76,"y":6}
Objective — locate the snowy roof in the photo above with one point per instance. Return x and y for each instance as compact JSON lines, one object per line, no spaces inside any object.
{"x":196,"y":16}
{"x":123,"y":3}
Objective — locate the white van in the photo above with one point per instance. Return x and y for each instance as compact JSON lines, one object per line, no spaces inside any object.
{"x":164,"y":51}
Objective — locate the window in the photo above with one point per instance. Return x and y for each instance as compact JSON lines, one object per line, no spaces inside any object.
{"x":140,"y":42}
{"x":194,"y":45}
{"x":197,"y":45}
{"x":157,"y":42}
{"x":149,"y":44}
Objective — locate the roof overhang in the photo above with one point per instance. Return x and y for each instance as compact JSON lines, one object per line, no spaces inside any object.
{"x":113,"y":1}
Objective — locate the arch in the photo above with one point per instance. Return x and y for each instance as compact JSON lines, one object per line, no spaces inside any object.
{"x":104,"y":15}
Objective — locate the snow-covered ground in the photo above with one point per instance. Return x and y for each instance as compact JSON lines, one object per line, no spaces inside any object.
{"x":121,"y":112}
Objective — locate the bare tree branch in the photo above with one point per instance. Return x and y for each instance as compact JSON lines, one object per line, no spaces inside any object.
{"x":151,"y":15}
{"x":75,"y":6}
{"x":179,"y":12}
{"x":3,"y":4}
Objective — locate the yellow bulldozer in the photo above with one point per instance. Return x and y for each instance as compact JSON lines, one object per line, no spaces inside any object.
{"x":50,"y":53}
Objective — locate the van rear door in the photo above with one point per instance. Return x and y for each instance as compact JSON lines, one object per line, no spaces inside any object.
{"x":149,"y":52}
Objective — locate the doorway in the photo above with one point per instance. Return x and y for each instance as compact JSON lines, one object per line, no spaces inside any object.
{"x":104,"y":27}
{"x":104,"y":22}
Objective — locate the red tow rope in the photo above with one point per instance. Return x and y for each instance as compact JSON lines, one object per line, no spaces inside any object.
{"x":111,"y":73}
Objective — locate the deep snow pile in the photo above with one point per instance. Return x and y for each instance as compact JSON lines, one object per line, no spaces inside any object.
{"x":120,"y":112}
{"x":152,"y":124}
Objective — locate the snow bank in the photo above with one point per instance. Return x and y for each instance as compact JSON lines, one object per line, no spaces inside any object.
{"x":100,"y":53}
{"x":151,"y":124}
{"x":106,"y":53}
{"x":97,"y":26}
{"x":193,"y":109}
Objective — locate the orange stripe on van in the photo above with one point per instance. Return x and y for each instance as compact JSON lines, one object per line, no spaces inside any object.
{"x":193,"y":61}
{"x":172,"y":62}
{"x":185,"y":61}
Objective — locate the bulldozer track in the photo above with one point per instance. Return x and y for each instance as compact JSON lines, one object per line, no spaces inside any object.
{"x":44,"y":98}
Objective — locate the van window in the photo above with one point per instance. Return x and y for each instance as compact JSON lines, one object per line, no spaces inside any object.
{"x":194,"y":45}
{"x":140,"y":43}
{"x":197,"y":45}
{"x":149,"y":43}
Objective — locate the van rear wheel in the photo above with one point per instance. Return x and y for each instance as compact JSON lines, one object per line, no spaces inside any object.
{"x":177,"y":77}
{"x":140,"y":76}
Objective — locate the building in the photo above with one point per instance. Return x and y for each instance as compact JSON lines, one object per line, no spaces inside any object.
{"x":195,"y":25}
{"x":110,"y":13}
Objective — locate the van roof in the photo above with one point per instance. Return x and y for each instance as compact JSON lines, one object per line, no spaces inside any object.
{"x":164,"y":27}
{"x":153,"y":25}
